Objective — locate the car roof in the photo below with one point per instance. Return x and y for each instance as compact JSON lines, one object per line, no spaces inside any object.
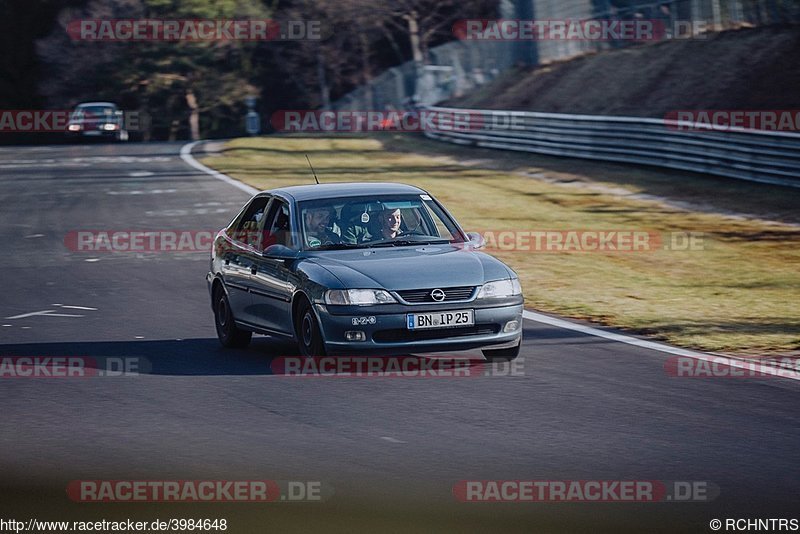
{"x":344,"y":189}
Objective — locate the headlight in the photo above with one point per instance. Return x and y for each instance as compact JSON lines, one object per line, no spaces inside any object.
{"x":74,"y":127}
{"x":500,"y":289}
{"x":108,"y":126}
{"x":358,"y":297}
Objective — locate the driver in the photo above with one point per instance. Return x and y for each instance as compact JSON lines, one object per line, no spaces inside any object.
{"x":385,"y":224}
{"x":390,"y":223}
{"x":318,"y":233}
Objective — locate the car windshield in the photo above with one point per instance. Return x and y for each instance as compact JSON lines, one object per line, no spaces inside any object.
{"x":365,"y":222}
{"x":94,"y":111}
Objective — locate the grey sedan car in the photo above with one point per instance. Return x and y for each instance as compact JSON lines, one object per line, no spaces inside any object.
{"x":361,"y":268}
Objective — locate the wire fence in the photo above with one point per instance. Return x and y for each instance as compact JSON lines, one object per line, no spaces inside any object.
{"x":454,"y":69}
{"x":725,"y":14}
{"x":460,"y":66}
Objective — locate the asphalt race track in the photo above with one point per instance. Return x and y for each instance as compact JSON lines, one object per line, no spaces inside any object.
{"x":578,"y":407}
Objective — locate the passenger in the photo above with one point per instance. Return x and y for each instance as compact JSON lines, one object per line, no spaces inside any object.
{"x":318,"y":233}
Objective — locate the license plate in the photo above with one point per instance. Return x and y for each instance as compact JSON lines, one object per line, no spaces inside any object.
{"x":447,"y":319}
{"x":92,"y":132}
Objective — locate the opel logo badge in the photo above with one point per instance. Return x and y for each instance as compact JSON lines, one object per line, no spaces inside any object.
{"x":438,"y":295}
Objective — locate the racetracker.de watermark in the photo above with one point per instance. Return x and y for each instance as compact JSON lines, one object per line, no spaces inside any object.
{"x":722,"y":367}
{"x":350,"y":121}
{"x":590,"y":241}
{"x":141,"y":240}
{"x":138,"y":30}
{"x":394,"y":366}
{"x":531,"y":241}
{"x":598,"y":491}
{"x":60,"y":120}
{"x":724,"y":120}
{"x":603,"y":30}
{"x":258,"y":491}
{"x":71,"y":366}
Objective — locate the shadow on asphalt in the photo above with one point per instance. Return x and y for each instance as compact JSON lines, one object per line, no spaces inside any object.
{"x":187,"y":357}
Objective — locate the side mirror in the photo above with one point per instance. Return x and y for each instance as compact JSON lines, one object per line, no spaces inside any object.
{"x":279,"y":252}
{"x":475,"y":240}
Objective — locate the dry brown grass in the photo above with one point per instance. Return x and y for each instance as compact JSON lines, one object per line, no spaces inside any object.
{"x":738,"y":294}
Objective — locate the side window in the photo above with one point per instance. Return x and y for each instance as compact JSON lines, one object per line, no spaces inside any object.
{"x":279,"y":230}
{"x":267,"y":223}
{"x":246,"y":229}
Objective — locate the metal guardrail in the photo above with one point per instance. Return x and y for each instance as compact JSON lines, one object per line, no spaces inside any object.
{"x":755,"y":155}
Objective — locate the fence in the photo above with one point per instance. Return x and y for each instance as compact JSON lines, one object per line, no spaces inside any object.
{"x":717,"y":15}
{"x":455,"y":69}
{"x":458,"y":67}
{"x":761,"y":156}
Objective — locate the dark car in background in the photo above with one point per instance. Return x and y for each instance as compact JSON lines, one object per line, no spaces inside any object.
{"x":353,"y":268}
{"x":97,"y":120}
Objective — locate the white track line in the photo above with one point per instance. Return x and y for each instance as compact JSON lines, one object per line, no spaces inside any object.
{"x":186,"y":155}
{"x":660,"y":347}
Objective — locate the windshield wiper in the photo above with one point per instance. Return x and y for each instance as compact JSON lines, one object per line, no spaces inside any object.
{"x":408,"y":242}
{"x":340,"y":246}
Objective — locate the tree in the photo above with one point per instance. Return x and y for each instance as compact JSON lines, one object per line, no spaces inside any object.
{"x":22,"y":21}
{"x":367,"y":36}
{"x":344,"y":57}
{"x":428,"y":21}
{"x":189,"y":88}
{"x":425,"y":21}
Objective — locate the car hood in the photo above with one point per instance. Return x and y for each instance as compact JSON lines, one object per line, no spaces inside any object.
{"x":399,"y":268}
{"x":95,"y":120}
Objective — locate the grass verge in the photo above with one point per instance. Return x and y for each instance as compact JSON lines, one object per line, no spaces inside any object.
{"x":738,"y":294}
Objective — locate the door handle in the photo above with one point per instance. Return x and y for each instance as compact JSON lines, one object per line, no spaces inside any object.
{"x":253,"y":269}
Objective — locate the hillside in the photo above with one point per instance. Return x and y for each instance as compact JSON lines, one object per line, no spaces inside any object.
{"x":741,"y":69}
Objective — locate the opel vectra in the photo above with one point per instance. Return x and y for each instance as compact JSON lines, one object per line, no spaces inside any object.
{"x":375,"y":268}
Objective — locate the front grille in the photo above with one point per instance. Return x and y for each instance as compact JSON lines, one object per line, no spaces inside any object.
{"x":452,"y":294}
{"x":400,"y":334}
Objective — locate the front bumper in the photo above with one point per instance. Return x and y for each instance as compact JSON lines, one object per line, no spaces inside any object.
{"x":93,"y":133}
{"x":388,"y":334}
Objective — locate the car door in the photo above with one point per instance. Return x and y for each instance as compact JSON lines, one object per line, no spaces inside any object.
{"x":272,"y":281}
{"x":237,"y":259}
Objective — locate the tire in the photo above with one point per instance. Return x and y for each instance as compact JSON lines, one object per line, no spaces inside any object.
{"x":502,"y":355}
{"x":230,"y":336}
{"x":309,"y":337}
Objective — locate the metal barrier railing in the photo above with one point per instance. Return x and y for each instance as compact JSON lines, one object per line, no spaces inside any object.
{"x":755,"y":155}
